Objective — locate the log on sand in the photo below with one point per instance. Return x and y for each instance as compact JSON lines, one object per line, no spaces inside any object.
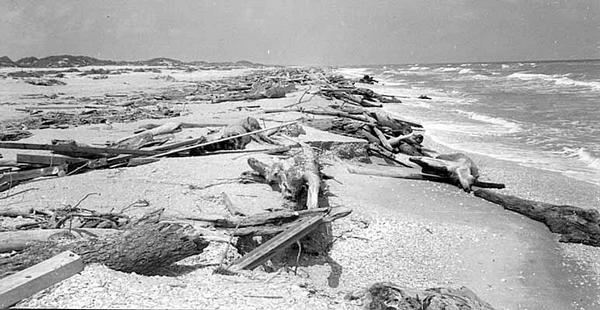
{"x":143,"y":250}
{"x":389,"y":296}
{"x":298,"y":178}
{"x":575,"y":224}
{"x":18,"y":240}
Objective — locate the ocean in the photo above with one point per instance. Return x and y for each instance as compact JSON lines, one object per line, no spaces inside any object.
{"x":544,"y":115}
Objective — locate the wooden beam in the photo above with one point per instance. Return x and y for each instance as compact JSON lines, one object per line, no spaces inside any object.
{"x":32,"y":174}
{"x":50,"y":160}
{"x":274,"y":245}
{"x":23,"y":284}
{"x":67,"y":147}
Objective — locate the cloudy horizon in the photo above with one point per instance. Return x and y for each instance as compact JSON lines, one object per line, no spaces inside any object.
{"x":304,"y":32}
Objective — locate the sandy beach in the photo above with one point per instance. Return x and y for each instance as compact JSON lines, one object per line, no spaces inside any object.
{"x":417,"y":234}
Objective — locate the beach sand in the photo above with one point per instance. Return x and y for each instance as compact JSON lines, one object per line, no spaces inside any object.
{"x":414,"y":233}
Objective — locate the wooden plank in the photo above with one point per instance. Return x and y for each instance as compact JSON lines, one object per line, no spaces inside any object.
{"x":50,"y":160}
{"x":32,"y":174}
{"x":274,"y":245}
{"x":64,"y":148}
{"x":23,"y":284}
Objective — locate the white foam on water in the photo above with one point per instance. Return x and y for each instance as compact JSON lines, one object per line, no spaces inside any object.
{"x":512,"y":127}
{"x":353,"y":72}
{"x":584,"y":156}
{"x":465,"y":71}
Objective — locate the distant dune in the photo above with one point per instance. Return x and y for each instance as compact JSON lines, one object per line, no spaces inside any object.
{"x":66,"y":61}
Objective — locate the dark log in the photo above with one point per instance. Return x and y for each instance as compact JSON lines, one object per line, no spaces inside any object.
{"x":389,"y":296}
{"x":143,"y":250}
{"x":574,"y":224}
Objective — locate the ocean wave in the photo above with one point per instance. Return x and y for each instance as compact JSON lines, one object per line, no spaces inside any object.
{"x":570,"y":82}
{"x":449,"y":69}
{"x":510,"y":126}
{"x":353,"y":72}
{"x":561,"y":80}
{"x":417,"y":68}
{"x":465,"y":71}
{"x":583,"y":155}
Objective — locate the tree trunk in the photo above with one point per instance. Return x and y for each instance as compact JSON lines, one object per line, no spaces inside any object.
{"x":143,"y":249}
{"x":298,"y":178}
{"x":576,"y":225}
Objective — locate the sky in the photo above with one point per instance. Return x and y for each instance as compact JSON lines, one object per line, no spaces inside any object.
{"x":304,"y":32}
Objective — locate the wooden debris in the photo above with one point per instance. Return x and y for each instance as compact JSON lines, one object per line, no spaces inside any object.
{"x":276,"y":244}
{"x":298,"y":178}
{"x":143,"y":249}
{"x":137,"y":140}
{"x":73,"y":148}
{"x":21,"y":285}
{"x":13,"y":177}
{"x":235,"y":211}
{"x":18,"y":240}
{"x":389,"y":296}
{"x":574,"y":224}
{"x":456,"y":167}
{"x":50,"y":160}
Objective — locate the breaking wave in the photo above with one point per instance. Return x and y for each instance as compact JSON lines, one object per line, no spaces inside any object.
{"x":510,"y":126}
{"x":583,"y":155}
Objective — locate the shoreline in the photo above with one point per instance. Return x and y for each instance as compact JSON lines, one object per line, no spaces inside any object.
{"x":415,"y":233}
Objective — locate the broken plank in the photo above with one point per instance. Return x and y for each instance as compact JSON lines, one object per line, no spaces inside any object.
{"x":50,"y":160}
{"x":68,"y":147}
{"x":32,"y":174}
{"x":274,"y":245}
{"x":25,"y":283}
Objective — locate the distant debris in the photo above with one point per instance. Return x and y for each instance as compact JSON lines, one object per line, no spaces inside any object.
{"x":424,"y":97}
{"x":368,"y":80}
{"x":45,"y":82}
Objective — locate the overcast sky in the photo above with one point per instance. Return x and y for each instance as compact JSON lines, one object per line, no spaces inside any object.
{"x":342,"y":32}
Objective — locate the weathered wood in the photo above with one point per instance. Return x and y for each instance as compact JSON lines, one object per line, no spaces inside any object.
{"x":298,"y":178}
{"x":137,"y":140}
{"x":457,"y":167}
{"x":21,"y":285}
{"x":143,"y":249}
{"x":276,"y":244}
{"x":267,"y":218}
{"x":50,"y":160}
{"x":277,"y":227}
{"x":187,"y":148}
{"x":382,"y":139}
{"x":574,"y":224}
{"x":18,"y":240}
{"x":19,"y":176}
{"x":389,"y":296}
{"x":235,"y":211}
{"x":411,"y":175}
{"x":72,"y":148}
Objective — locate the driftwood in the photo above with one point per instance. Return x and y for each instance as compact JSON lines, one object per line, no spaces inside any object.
{"x":298,"y":178}
{"x":50,"y":160}
{"x":276,"y":244}
{"x":271,"y":218}
{"x":70,"y":148}
{"x":14,"y":177}
{"x":389,"y":296}
{"x":574,"y":224}
{"x":143,"y":250}
{"x":457,"y":167}
{"x":139,"y":139}
{"x":411,"y":175}
{"x":24,"y":284}
{"x":189,"y":147}
{"x":18,"y":240}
